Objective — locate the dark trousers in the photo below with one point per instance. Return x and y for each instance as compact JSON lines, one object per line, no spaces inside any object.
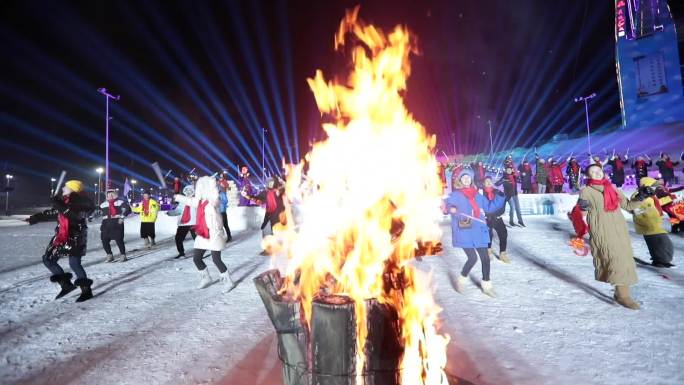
{"x":147,"y":230}
{"x":497,"y":224}
{"x":557,"y":188}
{"x":181,"y":233}
{"x":215,"y":256}
{"x":119,"y":242}
{"x":224,"y":217}
{"x":660,"y":247}
{"x":50,"y":261}
{"x":472,"y":259}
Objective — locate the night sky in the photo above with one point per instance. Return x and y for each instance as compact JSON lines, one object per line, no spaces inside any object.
{"x":198,"y":73}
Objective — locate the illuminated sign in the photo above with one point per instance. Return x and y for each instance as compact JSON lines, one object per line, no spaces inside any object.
{"x":620,"y":18}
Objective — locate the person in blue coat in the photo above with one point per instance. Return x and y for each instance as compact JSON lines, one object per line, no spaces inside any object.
{"x":469,"y":229}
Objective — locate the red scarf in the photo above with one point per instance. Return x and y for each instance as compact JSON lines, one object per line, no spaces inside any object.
{"x":611,"y":199}
{"x":201,"y":227}
{"x":112,"y":208}
{"x":618,"y":164}
{"x":271,"y":203}
{"x":146,"y":206}
{"x":62,"y":227}
{"x":470,"y":193}
{"x":490,"y":192}
{"x":185,"y":218}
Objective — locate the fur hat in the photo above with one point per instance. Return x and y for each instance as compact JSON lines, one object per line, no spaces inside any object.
{"x":188,"y":190}
{"x":466,"y":171}
{"x":74,"y":185}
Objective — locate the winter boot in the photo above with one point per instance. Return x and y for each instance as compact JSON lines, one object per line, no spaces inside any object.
{"x":487,"y":288}
{"x":227,"y":281}
{"x":511,"y":223}
{"x":503,"y":257}
{"x":147,"y":242}
{"x":86,"y":293}
{"x":152,"y":243}
{"x":124,"y":258}
{"x":521,"y":224}
{"x":110,"y":258}
{"x":460,"y":283}
{"x":180,"y":255}
{"x":623,"y":297}
{"x":64,"y":281}
{"x":205,"y":279}
{"x":490,"y":252}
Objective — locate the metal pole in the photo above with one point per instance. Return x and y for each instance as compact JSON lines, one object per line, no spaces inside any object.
{"x":263,"y":147}
{"x":585,"y":99}
{"x":7,"y":203}
{"x":491,"y":142}
{"x":586,"y":113}
{"x":99,"y":187}
{"x":108,"y":96}
{"x":453,"y":142}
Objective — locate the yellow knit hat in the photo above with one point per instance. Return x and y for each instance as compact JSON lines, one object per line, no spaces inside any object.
{"x":74,"y":185}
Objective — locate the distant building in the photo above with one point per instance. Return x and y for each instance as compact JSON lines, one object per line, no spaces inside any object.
{"x":648,"y":63}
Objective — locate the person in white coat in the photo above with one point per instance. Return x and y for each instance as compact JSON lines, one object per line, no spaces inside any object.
{"x":208,"y":228}
{"x":187,"y":216}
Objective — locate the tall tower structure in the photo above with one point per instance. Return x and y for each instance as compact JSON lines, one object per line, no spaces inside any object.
{"x":648,"y":64}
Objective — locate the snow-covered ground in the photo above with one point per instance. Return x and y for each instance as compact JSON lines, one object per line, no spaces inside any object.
{"x":550,"y":324}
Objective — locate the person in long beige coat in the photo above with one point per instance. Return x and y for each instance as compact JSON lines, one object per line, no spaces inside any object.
{"x":608,"y":234}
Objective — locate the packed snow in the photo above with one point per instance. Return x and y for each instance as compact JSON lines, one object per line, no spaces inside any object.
{"x":550,"y":323}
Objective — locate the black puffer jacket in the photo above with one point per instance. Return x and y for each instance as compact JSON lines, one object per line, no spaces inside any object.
{"x":76,"y":211}
{"x":499,"y":212}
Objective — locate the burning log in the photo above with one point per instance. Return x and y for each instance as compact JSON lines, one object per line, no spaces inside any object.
{"x":286,"y":319}
{"x":383,"y":346}
{"x":333,"y":341}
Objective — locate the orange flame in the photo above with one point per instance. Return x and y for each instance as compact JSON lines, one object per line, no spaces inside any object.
{"x":370,"y":195}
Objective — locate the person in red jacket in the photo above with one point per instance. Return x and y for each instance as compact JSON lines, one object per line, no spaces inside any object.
{"x":556,"y":175}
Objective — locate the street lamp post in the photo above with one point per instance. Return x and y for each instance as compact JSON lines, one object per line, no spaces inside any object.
{"x":586,"y":99}
{"x":491,"y":142}
{"x":8,"y":178}
{"x":99,"y":171}
{"x":108,"y":96}
{"x":263,"y":148}
{"x":52,"y":186}
{"x":133,"y":182}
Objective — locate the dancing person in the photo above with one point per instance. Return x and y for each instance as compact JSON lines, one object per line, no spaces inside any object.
{"x":469,"y":228}
{"x":648,"y":221}
{"x":608,"y":234}
{"x":187,"y":217}
{"x":541,"y":174}
{"x":112,"y":227}
{"x":70,"y":240}
{"x":273,"y":198}
{"x":224,"y":187}
{"x":246,"y":187}
{"x":510,"y":185}
{"x":573,"y":171}
{"x":617,"y":166}
{"x":666,"y":168}
{"x":525,"y":177}
{"x":641,"y":167}
{"x":148,"y":210}
{"x":495,"y":223}
{"x":556,"y":175}
{"x":209,"y":230}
